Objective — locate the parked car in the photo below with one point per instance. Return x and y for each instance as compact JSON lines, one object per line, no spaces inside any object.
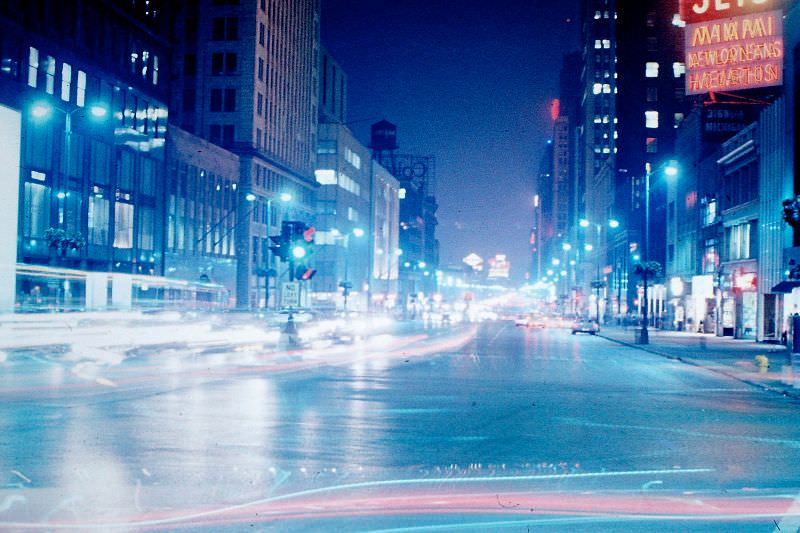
{"x":585,"y":325}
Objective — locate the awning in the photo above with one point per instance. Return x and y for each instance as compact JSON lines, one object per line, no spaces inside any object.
{"x":786,"y":286}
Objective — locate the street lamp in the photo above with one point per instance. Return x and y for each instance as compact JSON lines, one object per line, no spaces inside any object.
{"x":597,"y":284}
{"x":346,"y":285}
{"x":670,"y":168}
{"x":41,"y":110}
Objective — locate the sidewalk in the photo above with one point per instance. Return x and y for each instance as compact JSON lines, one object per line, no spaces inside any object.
{"x":731,"y":357}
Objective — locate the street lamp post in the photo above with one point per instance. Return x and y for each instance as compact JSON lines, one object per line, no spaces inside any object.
{"x":584,"y":223}
{"x":346,"y":285}
{"x":41,"y":110}
{"x":670,"y":170}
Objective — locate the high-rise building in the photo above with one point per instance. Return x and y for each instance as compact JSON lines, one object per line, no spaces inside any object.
{"x":632,"y":104}
{"x":649,"y":52}
{"x":343,"y":218}
{"x":246,"y":78}
{"x":83,"y":108}
{"x":332,"y":90}
{"x":596,"y":139}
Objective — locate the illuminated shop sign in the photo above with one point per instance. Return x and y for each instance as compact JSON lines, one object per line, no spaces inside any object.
{"x":704,"y":10}
{"x":732,"y":54}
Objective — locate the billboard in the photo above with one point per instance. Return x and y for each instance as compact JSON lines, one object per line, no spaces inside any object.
{"x":693,"y":11}
{"x":737,"y":53}
{"x":499,"y":267}
{"x":720,"y":121}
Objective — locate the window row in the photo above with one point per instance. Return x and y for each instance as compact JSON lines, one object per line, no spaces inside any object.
{"x":133,"y":225}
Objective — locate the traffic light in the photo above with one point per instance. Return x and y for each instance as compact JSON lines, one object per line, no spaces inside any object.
{"x":295,"y":245}
{"x":304,"y":273}
{"x":301,"y":240}
{"x":279,"y":246}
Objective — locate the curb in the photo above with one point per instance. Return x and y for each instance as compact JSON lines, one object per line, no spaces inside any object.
{"x":783,"y":392}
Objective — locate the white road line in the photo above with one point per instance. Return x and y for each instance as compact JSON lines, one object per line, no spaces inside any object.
{"x":763,"y":440}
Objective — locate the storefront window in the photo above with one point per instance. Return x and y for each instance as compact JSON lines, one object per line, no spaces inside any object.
{"x":37,"y":209}
{"x":98,"y":220}
{"x":123,"y":225}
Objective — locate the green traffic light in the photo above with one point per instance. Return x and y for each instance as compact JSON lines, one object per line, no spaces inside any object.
{"x":298,"y":252}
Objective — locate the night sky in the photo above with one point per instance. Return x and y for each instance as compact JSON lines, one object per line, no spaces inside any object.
{"x":470,"y":83}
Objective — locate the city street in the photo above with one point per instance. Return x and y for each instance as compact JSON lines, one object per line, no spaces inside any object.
{"x":477,"y":427}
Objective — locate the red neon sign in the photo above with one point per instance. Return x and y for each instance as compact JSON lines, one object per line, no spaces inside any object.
{"x":704,"y":10}
{"x":734,"y":54}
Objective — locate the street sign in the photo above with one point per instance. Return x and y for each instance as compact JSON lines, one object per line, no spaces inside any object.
{"x":290,"y":294}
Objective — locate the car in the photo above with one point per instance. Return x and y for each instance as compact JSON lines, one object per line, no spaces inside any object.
{"x":522,"y":321}
{"x":585,"y":325}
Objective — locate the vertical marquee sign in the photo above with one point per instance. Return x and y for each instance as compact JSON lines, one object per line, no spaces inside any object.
{"x":732,"y":45}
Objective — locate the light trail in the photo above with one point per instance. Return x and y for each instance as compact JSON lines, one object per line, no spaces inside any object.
{"x":297,"y":505}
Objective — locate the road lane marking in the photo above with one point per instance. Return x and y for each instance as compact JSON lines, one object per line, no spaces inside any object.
{"x":763,"y":440}
{"x":21,"y":476}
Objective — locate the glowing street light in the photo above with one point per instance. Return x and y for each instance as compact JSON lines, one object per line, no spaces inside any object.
{"x":285,"y":197}
{"x":566,"y":247}
{"x":358,"y":232}
{"x":98,"y":111}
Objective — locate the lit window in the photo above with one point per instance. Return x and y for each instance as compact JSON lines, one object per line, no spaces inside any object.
{"x":80,"y":93}
{"x":606,"y":88}
{"x":678,"y":119}
{"x":401,"y":194}
{"x":325,"y":176}
{"x":598,"y":120}
{"x":596,"y":15}
{"x":597,"y":88}
{"x":33,"y":66}
{"x":652,"y":145}
{"x":651,"y":69}
{"x":606,"y":43}
{"x":50,"y":72}
{"x":678,"y":69}
{"x":598,"y":44}
{"x":123,"y":225}
{"x":651,"y":119}
{"x":155,"y":70}
{"x":66,"y":81}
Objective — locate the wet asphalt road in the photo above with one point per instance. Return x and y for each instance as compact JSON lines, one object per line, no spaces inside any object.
{"x":510,"y":430}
